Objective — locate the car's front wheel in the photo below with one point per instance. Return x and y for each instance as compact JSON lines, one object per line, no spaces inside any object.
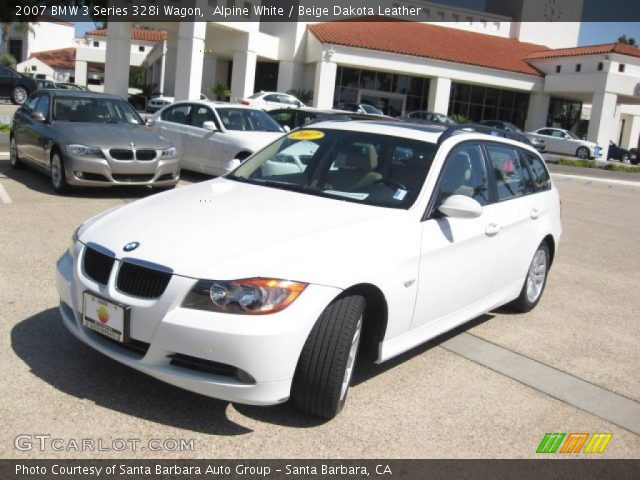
{"x":14,"y":158}
{"x":583,"y":152}
{"x":323,"y":374}
{"x":624,"y":158}
{"x":58,"y":173}
{"x":535,"y":282}
{"x":19,"y":95}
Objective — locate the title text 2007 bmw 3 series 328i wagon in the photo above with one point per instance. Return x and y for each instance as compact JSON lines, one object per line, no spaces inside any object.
{"x":337,"y":242}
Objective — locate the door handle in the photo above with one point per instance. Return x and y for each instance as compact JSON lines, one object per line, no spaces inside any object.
{"x":535,"y":213}
{"x":492,"y":229}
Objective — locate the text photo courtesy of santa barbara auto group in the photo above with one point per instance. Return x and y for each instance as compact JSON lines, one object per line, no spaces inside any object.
{"x":311,"y":239}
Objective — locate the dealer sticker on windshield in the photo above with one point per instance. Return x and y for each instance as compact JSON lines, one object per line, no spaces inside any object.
{"x":306,"y":135}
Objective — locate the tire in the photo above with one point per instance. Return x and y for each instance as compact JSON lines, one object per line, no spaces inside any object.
{"x":624,"y":158}
{"x":583,"y":152}
{"x":14,"y":158}
{"x":19,"y":95}
{"x":535,"y":282}
{"x":635,"y":162}
{"x":58,"y":173}
{"x":323,"y":374}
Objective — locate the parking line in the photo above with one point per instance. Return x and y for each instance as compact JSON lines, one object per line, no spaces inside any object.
{"x":574,"y":391}
{"x":596,"y":179}
{"x":4,"y":195}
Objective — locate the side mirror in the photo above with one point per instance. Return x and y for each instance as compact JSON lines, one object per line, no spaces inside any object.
{"x":37,"y":116}
{"x":209,"y":125}
{"x":149,"y":121}
{"x":460,"y":206}
{"x":286,"y":128}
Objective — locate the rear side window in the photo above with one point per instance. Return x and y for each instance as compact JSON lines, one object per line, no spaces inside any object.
{"x":511,"y":178}
{"x":465,"y":174}
{"x":177,"y":114}
{"x":202,"y":114}
{"x":43,"y":106}
{"x":541,"y":180}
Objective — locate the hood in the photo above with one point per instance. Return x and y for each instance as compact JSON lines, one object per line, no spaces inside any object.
{"x":223,"y":229}
{"x":111,"y":135}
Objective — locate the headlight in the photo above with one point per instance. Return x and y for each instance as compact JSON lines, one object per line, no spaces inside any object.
{"x":252,"y":296}
{"x":169,"y":153}
{"x":84,"y":151}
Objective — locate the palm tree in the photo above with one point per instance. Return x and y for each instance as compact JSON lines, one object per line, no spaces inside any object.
{"x":627,"y":40}
{"x":220,"y":90}
{"x":305,"y":96}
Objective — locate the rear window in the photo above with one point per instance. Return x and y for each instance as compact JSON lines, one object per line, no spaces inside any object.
{"x":245,"y":119}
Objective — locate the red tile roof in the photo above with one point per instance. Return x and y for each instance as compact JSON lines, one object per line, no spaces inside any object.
{"x":136,"y":33}
{"x":432,"y":41}
{"x":588,"y":50}
{"x":62,"y":59}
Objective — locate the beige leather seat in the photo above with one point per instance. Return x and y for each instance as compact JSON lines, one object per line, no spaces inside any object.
{"x":356,"y":165}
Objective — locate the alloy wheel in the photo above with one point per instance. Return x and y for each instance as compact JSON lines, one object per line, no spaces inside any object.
{"x":536,"y":276}
{"x":351,"y":360}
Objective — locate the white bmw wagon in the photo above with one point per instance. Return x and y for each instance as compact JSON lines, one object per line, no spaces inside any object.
{"x":337,"y":241}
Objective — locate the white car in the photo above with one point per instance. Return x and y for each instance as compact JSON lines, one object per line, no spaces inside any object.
{"x":264,"y":285}
{"x":213,"y":138}
{"x":161,"y":101}
{"x":558,"y":140}
{"x":271,"y":100}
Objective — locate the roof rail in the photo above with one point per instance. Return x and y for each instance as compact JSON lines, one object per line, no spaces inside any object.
{"x":487,"y":130}
{"x":345,"y":117}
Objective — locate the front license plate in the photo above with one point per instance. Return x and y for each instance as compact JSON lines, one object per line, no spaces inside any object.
{"x":106,"y":317}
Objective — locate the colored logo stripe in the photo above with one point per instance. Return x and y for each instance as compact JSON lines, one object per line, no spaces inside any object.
{"x":550,"y":443}
{"x":598,"y":442}
{"x":574,"y":443}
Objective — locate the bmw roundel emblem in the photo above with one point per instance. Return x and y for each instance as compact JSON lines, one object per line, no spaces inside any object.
{"x":129,"y":247}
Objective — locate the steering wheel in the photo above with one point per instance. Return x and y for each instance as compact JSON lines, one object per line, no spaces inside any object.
{"x":391,"y":183}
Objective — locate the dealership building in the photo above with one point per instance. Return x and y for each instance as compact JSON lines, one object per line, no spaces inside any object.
{"x":482,"y":65}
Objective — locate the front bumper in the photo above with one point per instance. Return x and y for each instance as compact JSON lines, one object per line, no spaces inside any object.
{"x":266,"y":347}
{"x":104,"y":172}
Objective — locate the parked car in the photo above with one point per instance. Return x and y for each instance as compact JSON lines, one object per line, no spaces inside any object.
{"x":536,"y":142}
{"x":362,"y":108}
{"x":264,"y":285}
{"x":42,"y":83}
{"x":429,"y":117}
{"x":290,"y":118}
{"x":69,"y":86}
{"x":161,"y":101}
{"x":271,"y":100}
{"x":618,"y":153}
{"x":558,"y":140}
{"x":214,"y":138}
{"x":15,"y":86}
{"x":90,"y":139}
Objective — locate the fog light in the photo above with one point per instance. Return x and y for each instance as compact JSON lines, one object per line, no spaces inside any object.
{"x":78,"y":174}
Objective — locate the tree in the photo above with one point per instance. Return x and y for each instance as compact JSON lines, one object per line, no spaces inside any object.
{"x":305,"y":96}
{"x":221,"y":91}
{"x":19,"y":28}
{"x":8,"y":60}
{"x":627,"y":40}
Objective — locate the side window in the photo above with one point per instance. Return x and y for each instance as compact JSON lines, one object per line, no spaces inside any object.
{"x":177,"y":114}
{"x":545,"y":131}
{"x":557,"y":134}
{"x":272,"y":98}
{"x":284,"y":118}
{"x":464,"y":173}
{"x":43,"y":106}
{"x":202,"y":114}
{"x":4,"y":72}
{"x":540,"y":174}
{"x":509,"y":174}
{"x":304,"y":118}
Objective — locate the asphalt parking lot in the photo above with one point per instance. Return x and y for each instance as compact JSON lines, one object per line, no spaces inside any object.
{"x":490,"y":389}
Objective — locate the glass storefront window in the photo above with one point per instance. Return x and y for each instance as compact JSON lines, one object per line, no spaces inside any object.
{"x":368,"y":80}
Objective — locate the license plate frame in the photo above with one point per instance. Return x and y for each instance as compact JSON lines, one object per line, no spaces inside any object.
{"x":120,"y":313}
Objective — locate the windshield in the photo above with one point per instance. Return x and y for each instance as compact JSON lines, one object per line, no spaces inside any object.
{"x":370,"y":109}
{"x":247,"y":120}
{"x":364,"y":168}
{"x":94,"y":110}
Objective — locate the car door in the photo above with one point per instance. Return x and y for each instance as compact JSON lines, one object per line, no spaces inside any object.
{"x":40,"y":131}
{"x":458,"y":255}
{"x":171,"y":124}
{"x":515,"y":212}
{"x":551,"y":142}
{"x":6,"y":82}
{"x":30,"y":130}
{"x":22,"y":123}
{"x":204,"y":146}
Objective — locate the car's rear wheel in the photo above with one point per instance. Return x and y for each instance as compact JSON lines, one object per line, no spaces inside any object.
{"x":535,"y":282}
{"x":19,"y":95}
{"x":58,"y":173}
{"x":582,"y":152}
{"x":624,"y":158}
{"x":323,"y":374}
{"x":14,"y":157}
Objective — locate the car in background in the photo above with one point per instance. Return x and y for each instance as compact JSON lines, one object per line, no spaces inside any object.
{"x":213,"y":138}
{"x":69,"y":86}
{"x":265,"y":285}
{"x":271,"y":100}
{"x":536,"y":142}
{"x":90,"y":139}
{"x":618,"y":153}
{"x":161,"y":101}
{"x":426,"y":116}
{"x":558,"y":140}
{"x":362,"y":108}
{"x":42,"y":83}
{"x":15,"y":86}
{"x":290,"y":118}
